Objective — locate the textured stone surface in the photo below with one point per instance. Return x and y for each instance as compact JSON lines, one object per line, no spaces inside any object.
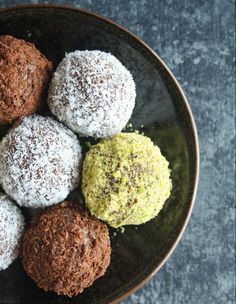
{"x":195,"y":39}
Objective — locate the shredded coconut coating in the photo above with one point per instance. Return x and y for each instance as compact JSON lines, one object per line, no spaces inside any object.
{"x":65,"y":249}
{"x":11,"y":229}
{"x":39,"y":162}
{"x":126,"y":180}
{"x":92,"y":93}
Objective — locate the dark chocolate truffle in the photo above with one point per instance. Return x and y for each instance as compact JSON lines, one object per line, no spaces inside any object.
{"x":24,"y":76}
{"x":65,"y":249}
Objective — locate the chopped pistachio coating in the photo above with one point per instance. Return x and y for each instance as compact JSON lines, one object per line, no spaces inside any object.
{"x":126,"y":180}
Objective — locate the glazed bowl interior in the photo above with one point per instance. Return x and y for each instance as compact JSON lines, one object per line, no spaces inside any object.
{"x":161,"y":112}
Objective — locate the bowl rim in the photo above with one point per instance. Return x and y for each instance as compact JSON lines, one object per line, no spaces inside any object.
{"x":186,"y":107}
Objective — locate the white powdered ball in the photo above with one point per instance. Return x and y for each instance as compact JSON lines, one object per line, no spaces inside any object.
{"x":92,"y":93}
{"x":40,"y":162}
{"x":11,"y":230}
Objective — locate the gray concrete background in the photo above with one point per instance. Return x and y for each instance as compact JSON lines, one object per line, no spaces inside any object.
{"x":196,"y":40}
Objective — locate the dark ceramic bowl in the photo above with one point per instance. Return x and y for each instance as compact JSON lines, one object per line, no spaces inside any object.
{"x":162,"y":109}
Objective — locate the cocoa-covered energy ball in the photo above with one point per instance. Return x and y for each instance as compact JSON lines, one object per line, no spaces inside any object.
{"x":24,"y":76}
{"x":65,"y":249}
{"x":40,"y":162}
{"x":11,"y":230}
{"x":92,"y":93}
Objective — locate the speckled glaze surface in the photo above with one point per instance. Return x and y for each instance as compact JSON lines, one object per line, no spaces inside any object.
{"x":196,"y":40}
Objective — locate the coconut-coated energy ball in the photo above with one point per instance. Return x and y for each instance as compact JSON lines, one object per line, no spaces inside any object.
{"x":65,"y":249}
{"x":11,"y":230}
{"x":126,"y":180}
{"x":92,"y":93}
{"x":40,"y":162}
{"x":24,"y":77}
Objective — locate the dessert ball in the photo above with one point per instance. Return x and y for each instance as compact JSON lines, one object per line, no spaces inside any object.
{"x":11,"y":230}
{"x":92,"y":93}
{"x":126,"y":180}
{"x":24,"y":76}
{"x":40,"y":162}
{"x":65,"y":249}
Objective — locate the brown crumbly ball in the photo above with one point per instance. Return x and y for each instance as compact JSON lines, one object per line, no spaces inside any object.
{"x":65,"y":249}
{"x":24,"y":76}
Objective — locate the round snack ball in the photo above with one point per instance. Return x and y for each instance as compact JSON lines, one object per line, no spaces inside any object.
{"x":40,"y":162}
{"x":24,"y":76}
{"x":11,"y":230}
{"x":92,"y":93}
{"x":65,"y":249}
{"x":126,"y":180}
